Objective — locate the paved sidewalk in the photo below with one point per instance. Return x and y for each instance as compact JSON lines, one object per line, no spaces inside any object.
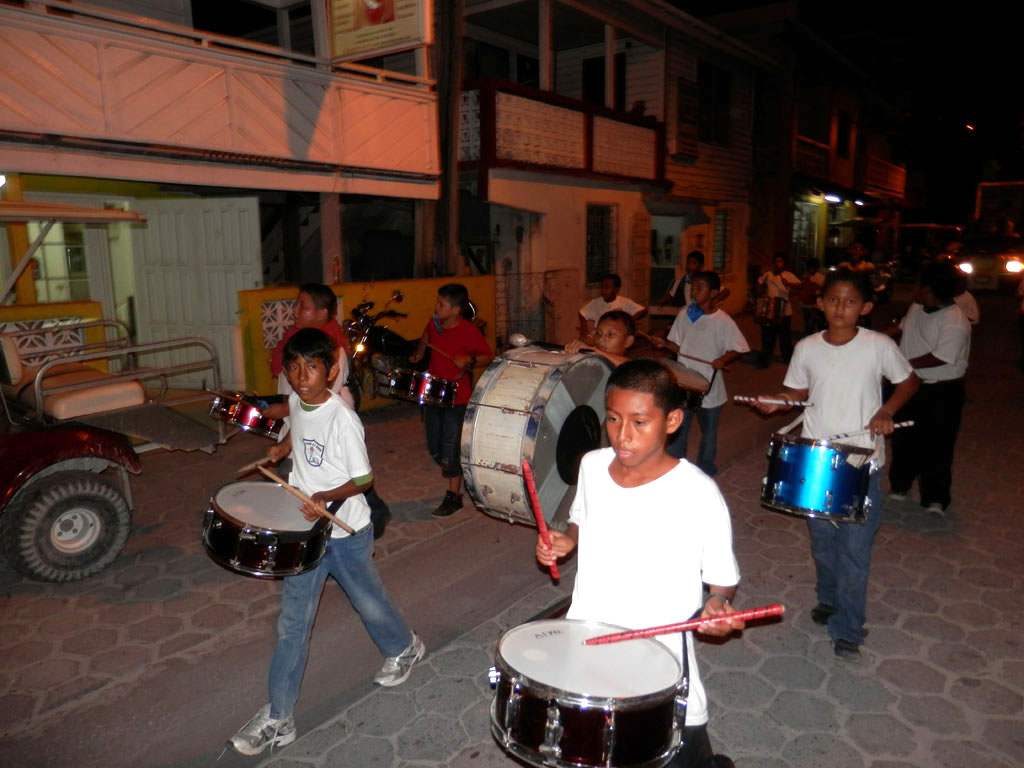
{"x":156,"y":661}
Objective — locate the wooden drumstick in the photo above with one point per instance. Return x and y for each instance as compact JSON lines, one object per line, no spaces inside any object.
{"x":226,"y":395}
{"x":654,"y":340}
{"x":749,"y":615}
{"x":542,"y":527}
{"x":300,"y":495}
{"x":771,"y":401}
{"x":252,"y":466}
{"x":442,"y":353}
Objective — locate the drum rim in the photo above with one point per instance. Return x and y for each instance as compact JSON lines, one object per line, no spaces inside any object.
{"x":860,"y":450}
{"x":814,"y":514}
{"x":562,"y":695}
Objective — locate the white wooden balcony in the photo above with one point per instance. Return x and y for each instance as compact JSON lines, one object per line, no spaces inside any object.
{"x":506,"y":125}
{"x":97,"y":93}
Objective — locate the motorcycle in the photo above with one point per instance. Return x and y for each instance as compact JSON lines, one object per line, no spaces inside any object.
{"x":376,"y":350}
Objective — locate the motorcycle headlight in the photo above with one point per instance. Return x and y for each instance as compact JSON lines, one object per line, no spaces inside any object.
{"x":360,"y":347}
{"x":1013,"y":267}
{"x":966,"y":267}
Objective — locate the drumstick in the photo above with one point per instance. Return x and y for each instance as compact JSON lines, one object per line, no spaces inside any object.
{"x":442,"y":352}
{"x":897,"y":425}
{"x":299,"y":494}
{"x":679,"y":354}
{"x":771,"y":401}
{"x":250,"y":467}
{"x":227,"y":395}
{"x":749,"y":615}
{"x":542,"y":527}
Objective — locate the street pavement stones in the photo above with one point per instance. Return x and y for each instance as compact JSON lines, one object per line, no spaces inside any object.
{"x":940,"y":681}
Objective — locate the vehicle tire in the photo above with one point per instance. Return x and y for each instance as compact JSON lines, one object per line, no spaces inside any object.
{"x":66,"y":527}
{"x":356,"y":392}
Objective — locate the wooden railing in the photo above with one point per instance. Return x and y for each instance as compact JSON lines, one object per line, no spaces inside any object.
{"x":884,"y":179}
{"x":505,"y":124}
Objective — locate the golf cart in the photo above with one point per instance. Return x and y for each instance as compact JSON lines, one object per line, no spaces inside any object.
{"x":78,"y":402}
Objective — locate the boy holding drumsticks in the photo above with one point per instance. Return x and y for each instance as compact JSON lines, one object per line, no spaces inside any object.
{"x":330,"y":465}
{"x":840,"y":371}
{"x":644,"y":552}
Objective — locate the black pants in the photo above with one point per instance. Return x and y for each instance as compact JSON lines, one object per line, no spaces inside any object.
{"x":696,"y":751}
{"x":925,"y":451}
{"x":782,"y":332}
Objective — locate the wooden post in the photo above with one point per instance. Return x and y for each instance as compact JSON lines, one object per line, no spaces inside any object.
{"x":17,"y":244}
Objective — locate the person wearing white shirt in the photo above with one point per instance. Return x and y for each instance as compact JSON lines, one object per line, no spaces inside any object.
{"x":776,"y":285}
{"x":936,"y":339}
{"x":609,"y":299}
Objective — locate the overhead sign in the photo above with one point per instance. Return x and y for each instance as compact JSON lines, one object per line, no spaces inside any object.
{"x":363,"y":28}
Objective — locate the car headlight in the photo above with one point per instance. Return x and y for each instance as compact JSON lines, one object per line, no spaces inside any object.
{"x":966,"y":267}
{"x":1013,"y":267}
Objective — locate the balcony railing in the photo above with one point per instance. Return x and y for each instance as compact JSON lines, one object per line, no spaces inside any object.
{"x":507,"y":125}
{"x":884,"y":179}
{"x":812,"y":158}
{"x":101,"y":81}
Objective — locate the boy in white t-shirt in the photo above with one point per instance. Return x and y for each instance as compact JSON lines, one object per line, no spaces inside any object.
{"x":704,"y":332}
{"x":590,"y":313}
{"x":330,"y":466}
{"x":651,"y":531}
{"x":777,"y":284}
{"x":840,"y":371}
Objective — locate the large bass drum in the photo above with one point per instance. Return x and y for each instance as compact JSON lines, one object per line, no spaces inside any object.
{"x":544,"y":406}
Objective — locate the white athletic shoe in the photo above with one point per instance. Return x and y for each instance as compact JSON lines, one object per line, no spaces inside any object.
{"x":396,"y":669}
{"x":262,"y":732}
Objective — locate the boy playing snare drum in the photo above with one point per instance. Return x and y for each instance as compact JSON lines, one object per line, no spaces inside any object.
{"x":457,"y":346}
{"x":651,"y":531}
{"x":840,"y":371}
{"x":330,"y":465}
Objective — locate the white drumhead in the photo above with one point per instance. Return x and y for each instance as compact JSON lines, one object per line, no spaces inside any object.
{"x":552,"y":652}
{"x":262,"y":505}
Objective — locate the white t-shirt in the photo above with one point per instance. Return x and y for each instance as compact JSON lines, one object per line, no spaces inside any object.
{"x":946,"y":333}
{"x":327,"y":451}
{"x":710,"y":337}
{"x":644,"y":552}
{"x":969,"y":306}
{"x":777,"y":289}
{"x":844,"y":384}
{"x":596,"y":307}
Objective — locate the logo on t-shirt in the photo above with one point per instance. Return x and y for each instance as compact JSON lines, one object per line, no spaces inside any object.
{"x":314,"y":453}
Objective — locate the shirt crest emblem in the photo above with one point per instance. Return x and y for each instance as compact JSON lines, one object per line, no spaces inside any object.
{"x":314,"y":452}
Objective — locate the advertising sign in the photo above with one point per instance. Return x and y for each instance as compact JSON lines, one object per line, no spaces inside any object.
{"x":363,"y":28}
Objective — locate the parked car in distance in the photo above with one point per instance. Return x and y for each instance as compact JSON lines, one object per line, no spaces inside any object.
{"x":984,"y":259}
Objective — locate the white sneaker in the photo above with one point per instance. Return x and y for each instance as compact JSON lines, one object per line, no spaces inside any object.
{"x":898,"y":496}
{"x":936,"y":509}
{"x":396,"y":669}
{"x":262,"y":732}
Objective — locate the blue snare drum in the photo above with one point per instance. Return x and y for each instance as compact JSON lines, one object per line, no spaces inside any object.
{"x":813,"y":478}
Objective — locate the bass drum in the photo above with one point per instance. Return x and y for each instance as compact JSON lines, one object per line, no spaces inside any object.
{"x":544,"y":406}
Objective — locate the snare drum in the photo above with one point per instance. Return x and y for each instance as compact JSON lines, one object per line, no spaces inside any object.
{"x":244,"y":413}
{"x":769,"y":311}
{"x":814,"y":478}
{"x":422,"y":388}
{"x":558,"y":702}
{"x":256,"y":528}
{"x":694,"y":385}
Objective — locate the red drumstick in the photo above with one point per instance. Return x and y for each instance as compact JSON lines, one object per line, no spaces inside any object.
{"x":542,"y":527}
{"x":667,"y":629}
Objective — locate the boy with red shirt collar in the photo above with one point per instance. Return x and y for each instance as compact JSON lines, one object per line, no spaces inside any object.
{"x":458,"y":346}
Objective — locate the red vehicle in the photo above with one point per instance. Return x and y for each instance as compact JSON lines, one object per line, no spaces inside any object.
{"x":62,"y":516}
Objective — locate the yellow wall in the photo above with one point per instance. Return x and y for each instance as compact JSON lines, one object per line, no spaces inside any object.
{"x":420,"y":296}
{"x":82,"y":311}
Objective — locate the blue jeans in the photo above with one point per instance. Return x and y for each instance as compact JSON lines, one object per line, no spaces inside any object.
{"x":842,"y":557}
{"x":707,"y":418}
{"x":349,"y":561}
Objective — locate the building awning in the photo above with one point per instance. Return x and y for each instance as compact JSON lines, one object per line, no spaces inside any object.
{"x":671,"y":205}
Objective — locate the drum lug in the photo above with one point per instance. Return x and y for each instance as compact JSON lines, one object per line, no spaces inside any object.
{"x":837,"y":461}
{"x":828,"y":500}
{"x":246,"y":534}
{"x":552,"y":733}
{"x":493,"y":676}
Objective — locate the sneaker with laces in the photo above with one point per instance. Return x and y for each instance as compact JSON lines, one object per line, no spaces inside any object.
{"x":396,"y":669}
{"x":263,"y":731}
{"x":451,"y":503}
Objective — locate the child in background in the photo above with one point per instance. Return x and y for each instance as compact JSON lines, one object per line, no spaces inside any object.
{"x":651,"y":531}
{"x":614,"y":335}
{"x":458,"y":346}
{"x":840,"y":371}
{"x":777,"y":284}
{"x":810,"y":290}
{"x":609,"y":299}
{"x":330,"y":466}
{"x":710,"y":334}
